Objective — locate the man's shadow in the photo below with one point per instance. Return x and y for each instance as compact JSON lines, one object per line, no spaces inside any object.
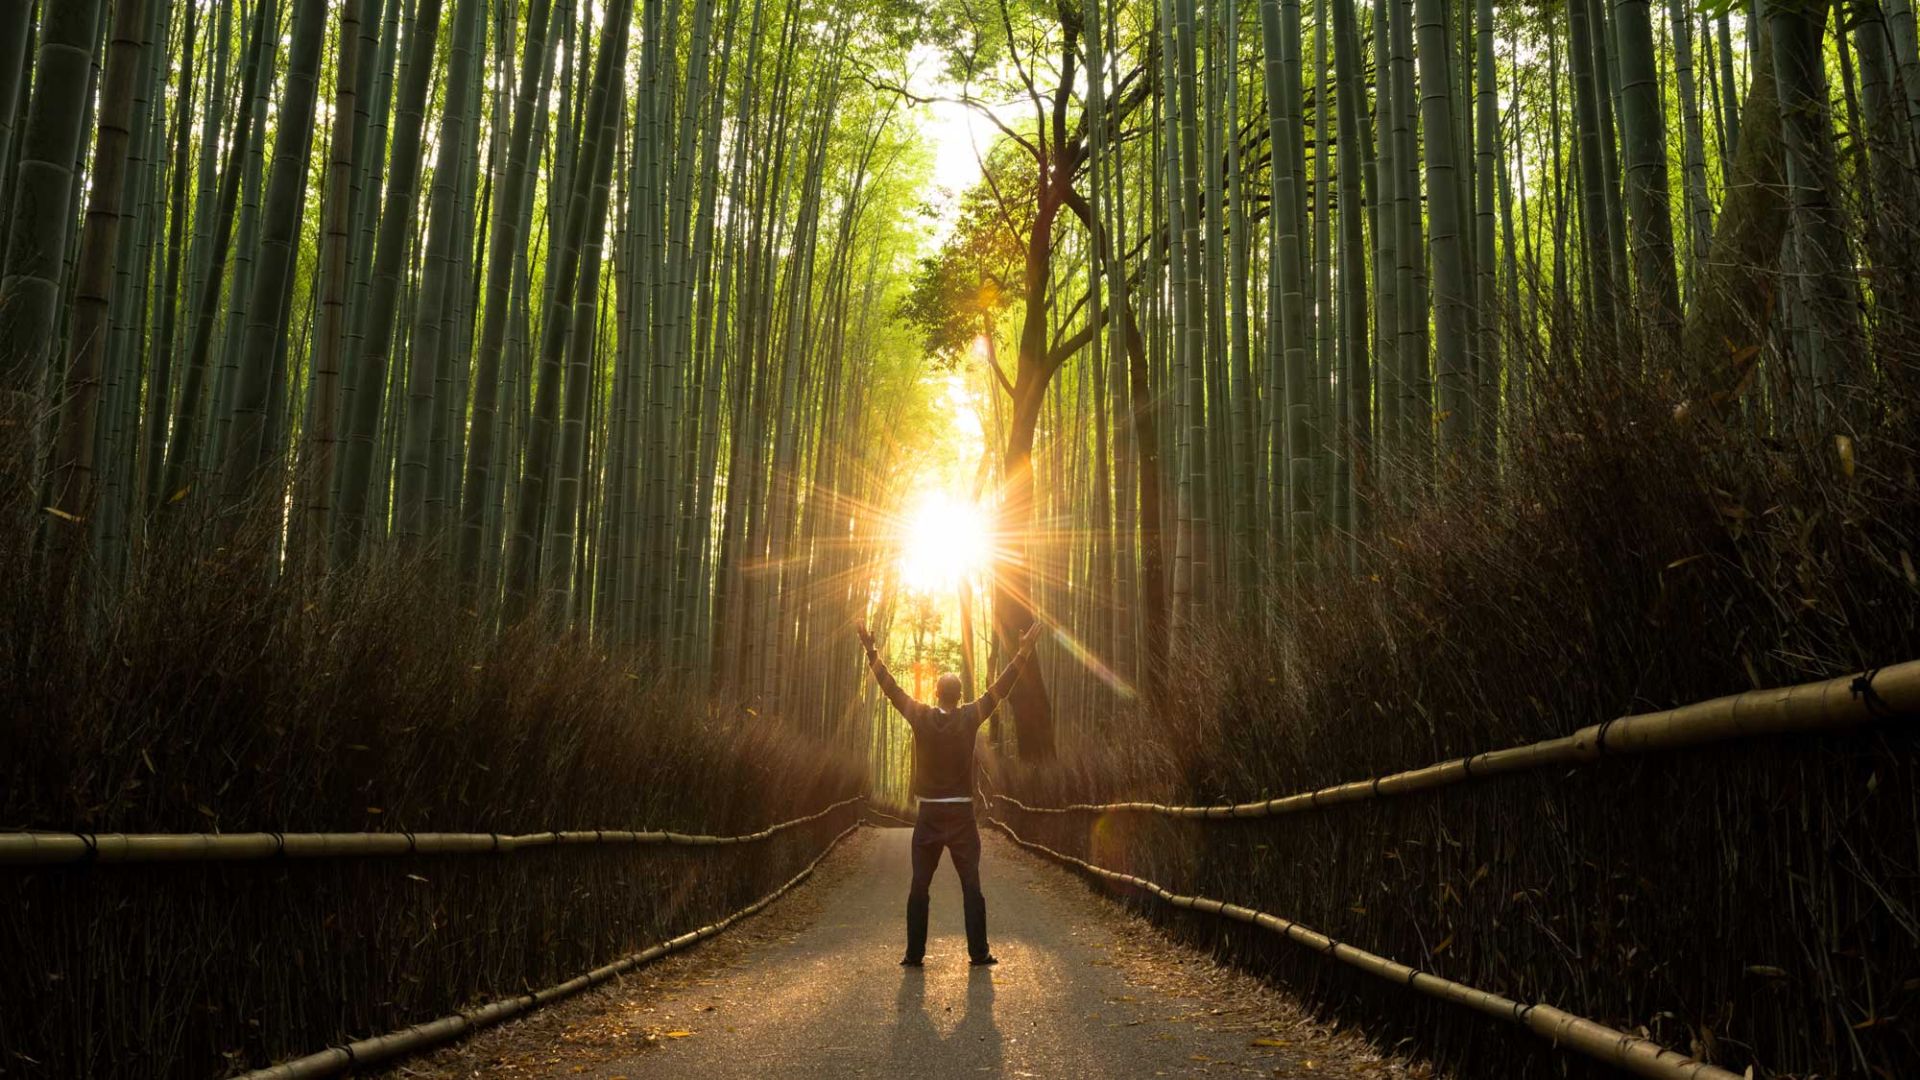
{"x":915,"y":1041}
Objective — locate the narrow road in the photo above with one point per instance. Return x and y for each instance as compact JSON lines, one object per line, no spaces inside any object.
{"x":811,"y":988}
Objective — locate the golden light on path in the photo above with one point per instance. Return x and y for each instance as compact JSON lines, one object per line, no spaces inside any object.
{"x":944,"y":541}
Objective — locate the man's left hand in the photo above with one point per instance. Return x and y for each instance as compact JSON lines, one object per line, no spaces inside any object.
{"x":1032,"y":636}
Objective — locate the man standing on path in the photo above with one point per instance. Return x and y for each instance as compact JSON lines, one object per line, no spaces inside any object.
{"x":943,"y":737}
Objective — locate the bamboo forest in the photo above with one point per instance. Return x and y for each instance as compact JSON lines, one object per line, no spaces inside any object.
{"x":497,"y":492}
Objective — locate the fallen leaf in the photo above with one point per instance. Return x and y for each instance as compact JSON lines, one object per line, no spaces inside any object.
{"x":677,"y":1034}
{"x":1267,"y":1041}
{"x":1843,"y":445}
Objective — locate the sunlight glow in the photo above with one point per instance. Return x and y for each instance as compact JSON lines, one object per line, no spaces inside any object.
{"x":958,"y":135}
{"x":944,"y":541}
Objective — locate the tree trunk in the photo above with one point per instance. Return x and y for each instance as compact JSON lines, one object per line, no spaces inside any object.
{"x":1721,"y":340}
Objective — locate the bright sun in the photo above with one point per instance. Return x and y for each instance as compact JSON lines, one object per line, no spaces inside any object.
{"x":943,"y":541}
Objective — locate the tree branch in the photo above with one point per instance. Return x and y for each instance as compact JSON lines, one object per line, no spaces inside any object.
{"x":1026,"y":78}
{"x":1064,"y":350}
{"x":965,"y":102}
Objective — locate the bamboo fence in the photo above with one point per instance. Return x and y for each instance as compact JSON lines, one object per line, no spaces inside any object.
{"x":335,"y":1060}
{"x":1833,"y":705}
{"x":40,"y":848}
{"x":1595,"y":1040}
{"x":874,"y":811}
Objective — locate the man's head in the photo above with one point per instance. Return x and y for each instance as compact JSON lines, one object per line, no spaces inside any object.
{"x":948,"y":689}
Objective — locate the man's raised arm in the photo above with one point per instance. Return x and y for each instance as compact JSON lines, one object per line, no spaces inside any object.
{"x":900,"y":699}
{"x":1003,"y":685}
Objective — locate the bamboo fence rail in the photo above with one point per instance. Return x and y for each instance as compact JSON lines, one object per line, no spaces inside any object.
{"x":1595,"y":1040}
{"x":875,"y":811}
{"x":335,"y":1060}
{"x":1833,"y":705}
{"x":40,"y":848}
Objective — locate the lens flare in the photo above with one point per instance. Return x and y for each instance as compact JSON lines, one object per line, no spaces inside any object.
{"x":943,"y":542}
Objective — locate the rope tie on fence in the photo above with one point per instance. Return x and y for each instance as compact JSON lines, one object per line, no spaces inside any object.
{"x":1600,"y":737}
{"x":412,"y":844}
{"x":92,"y":845}
{"x":279,"y":845}
{"x":1862,"y":688}
{"x":1466,"y":766}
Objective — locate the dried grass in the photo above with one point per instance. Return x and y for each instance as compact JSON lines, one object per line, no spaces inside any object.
{"x":1755,"y":904}
{"x":209,"y":698}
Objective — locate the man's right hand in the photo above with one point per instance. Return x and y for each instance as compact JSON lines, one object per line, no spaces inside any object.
{"x":866,"y":636}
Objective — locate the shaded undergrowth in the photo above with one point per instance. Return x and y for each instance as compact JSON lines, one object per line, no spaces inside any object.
{"x":1756,"y":904}
{"x":208,"y":697}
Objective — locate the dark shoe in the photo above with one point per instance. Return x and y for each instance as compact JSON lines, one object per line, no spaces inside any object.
{"x":976,"y":913}
{"x":910,"y":961}
{"x":916,"y":929}
{"x":985,"y":961}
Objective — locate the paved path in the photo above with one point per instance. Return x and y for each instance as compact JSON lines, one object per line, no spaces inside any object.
{"x":812,"y":988}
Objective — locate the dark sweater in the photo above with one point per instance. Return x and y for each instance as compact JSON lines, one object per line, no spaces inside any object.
{"x":943,"y":738}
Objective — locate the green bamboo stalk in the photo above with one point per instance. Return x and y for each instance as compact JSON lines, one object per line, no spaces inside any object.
{"x":255,"y":441}
{"x":1453,"y":369}
{"x":33,"y":273}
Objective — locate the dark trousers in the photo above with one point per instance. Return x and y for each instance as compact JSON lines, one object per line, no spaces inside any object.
{"x":949,"y":827}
